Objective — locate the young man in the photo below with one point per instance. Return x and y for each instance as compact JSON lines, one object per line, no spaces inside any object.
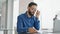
{"x":27,"y":22}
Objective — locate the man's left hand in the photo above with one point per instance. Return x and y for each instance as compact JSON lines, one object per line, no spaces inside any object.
{"x":37,"y":13}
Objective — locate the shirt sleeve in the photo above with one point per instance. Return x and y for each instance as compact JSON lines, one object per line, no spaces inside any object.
{"x":20,"y":27}
{"x":37,"y":24}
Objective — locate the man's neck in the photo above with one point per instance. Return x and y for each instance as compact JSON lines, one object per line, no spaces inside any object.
{"x":28,"y":14}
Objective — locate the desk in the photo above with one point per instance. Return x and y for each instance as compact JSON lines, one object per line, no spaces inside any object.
{"x":29,"y":33}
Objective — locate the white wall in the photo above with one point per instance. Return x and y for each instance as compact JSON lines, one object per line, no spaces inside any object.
{"x":15,"y":12}
{"x":48,"y":8}
{"x":23,"y":5}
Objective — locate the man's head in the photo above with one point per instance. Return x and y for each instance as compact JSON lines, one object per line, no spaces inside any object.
{"x":32,"y":7}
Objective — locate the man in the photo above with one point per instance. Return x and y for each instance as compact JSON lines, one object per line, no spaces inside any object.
{"x":27,"y":22}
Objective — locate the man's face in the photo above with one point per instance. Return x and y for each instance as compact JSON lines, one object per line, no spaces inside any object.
{"x":32,"y":10}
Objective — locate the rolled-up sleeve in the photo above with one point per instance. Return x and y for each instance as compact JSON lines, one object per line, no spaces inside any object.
{"x":37,"y":24}
{"x":20,"y":27}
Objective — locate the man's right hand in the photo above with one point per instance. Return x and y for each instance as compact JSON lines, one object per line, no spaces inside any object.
{"x":32,"y":30}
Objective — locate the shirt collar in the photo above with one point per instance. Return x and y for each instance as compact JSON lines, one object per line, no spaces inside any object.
{"x":27,"y":15}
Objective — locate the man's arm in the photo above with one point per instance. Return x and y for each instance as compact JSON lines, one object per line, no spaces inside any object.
{"x":36,"y":27}
{"x":20,"y":27}
{"x":37,"y":24}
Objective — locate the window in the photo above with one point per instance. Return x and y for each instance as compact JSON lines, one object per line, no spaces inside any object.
{"x":48,"y":9}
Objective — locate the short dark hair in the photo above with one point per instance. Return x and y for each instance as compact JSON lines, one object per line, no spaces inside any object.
{"x":32,"y":3}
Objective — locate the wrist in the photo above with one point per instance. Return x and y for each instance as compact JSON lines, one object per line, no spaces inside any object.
{"x":37,"y":17}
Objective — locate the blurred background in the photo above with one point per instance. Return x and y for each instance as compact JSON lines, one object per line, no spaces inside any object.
{"x":49,"y":16}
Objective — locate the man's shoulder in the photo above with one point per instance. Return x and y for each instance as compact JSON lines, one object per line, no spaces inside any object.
{"x":21,"y":15}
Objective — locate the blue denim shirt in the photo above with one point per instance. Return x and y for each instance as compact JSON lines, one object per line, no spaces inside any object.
{"x":24,"y":22}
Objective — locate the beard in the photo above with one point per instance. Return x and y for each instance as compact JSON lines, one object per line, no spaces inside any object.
{"x":30,"y":13}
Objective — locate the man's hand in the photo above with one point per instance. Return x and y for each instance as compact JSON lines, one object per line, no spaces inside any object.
{"x":32,"y":30}
{"x":37,"y":14}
